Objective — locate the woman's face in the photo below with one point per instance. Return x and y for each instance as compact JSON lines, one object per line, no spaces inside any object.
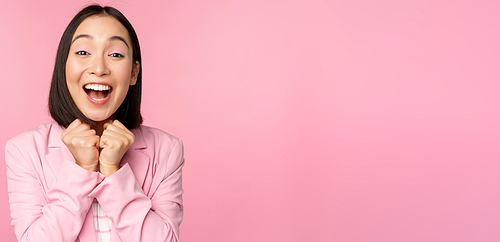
{"x":100,"y":68}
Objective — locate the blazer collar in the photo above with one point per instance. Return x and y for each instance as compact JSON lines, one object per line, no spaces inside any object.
{"x":55,"y":136}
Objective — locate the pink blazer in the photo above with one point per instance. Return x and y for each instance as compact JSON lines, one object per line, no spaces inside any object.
{"x":50,"y":196}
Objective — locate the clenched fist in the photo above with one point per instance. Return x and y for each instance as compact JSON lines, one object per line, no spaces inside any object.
{"x":115,"y":141}
{"x":83,"y":143}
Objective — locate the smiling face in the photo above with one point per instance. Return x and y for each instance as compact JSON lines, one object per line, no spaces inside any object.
{"x":100,"y":67}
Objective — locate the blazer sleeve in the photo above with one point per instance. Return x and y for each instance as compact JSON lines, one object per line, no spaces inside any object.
{"x":138,"y":217}
{"x":55,"y":215}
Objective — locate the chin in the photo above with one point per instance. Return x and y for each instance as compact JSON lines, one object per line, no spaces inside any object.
{"x":98,"y":118}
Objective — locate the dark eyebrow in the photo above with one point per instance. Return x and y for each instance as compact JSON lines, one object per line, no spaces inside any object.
{"x":81,"y":36}
{"x":119,"y":38}
{"x":110,"y":39}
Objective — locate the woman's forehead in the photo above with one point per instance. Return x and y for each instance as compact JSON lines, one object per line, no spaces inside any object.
{"x":101,"y":28}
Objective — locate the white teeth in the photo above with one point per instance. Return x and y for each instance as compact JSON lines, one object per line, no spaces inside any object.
{"x":97,"y":87}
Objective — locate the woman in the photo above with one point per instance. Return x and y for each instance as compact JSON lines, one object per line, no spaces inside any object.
{"x":96,"y":174}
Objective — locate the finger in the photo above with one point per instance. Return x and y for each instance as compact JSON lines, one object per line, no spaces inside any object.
{"x":108,"y":141}
{"x":119,"y":127}
{"x":114,"y":128}
{"x":72,"y":126}
{"x":82,"y":126}
{"x":93,"y":141}
{"x":119,"y":124}
{"x":103,"y":143}
{"x":86,"y":133}
{"x":118,"y":133}
{"x":113,"y":135}
{"x":85,"y":142}
{"x":75,"y":123}
{"x":115,"y":139}
{"x":81,"y":131}
{"x":78,"y":128}
{"x":107,"y":123}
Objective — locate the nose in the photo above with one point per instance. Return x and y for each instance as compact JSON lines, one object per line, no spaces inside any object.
{"x":98,"y":66}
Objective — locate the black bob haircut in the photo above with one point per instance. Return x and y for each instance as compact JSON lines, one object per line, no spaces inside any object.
{"x":61,"y":106}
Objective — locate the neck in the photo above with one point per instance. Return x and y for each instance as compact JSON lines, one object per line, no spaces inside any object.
{"x":99,"y":126}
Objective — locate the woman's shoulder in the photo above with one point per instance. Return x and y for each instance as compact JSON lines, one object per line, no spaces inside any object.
{"x":159,"y":145}
{"x":38,"y":134}
{"x":156,"y":137}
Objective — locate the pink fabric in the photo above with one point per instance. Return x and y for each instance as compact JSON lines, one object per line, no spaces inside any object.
{"x":51,"y":197}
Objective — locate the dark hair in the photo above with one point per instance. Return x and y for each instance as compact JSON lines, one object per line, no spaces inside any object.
{"x":61,"y":106}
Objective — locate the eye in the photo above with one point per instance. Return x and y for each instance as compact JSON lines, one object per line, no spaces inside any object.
{"x":82,"y":52}
{"x":118,"y":55}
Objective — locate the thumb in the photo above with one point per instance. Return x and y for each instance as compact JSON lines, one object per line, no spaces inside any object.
{"x":98,"y":143}
{"x":105,"y":126}
{"x":102,"y":142}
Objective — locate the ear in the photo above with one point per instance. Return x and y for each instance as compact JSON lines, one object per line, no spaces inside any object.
{"x":135,"y":72}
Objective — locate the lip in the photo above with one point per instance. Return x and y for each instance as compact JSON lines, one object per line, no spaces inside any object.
{"x":98,"y":101}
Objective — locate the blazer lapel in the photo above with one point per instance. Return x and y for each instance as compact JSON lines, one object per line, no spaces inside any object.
{"x":57,"y":153}
{"x":136,"y":158}
{"x":138,"y":161}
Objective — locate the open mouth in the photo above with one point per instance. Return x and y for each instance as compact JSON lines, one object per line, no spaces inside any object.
{"x":97,"y":92}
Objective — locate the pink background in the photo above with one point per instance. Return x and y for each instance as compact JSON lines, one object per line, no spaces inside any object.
{"x":302,"y":120}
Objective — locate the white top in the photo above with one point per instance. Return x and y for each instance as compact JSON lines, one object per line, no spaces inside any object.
{"x":102,"y":223}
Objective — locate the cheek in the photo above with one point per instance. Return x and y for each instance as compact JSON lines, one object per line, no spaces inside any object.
{"x":72,"y":72}
{"x":124,"y":72}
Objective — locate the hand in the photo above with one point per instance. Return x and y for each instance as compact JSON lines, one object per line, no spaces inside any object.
{"x":83,"y":143}
{"x":115,"y":141}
